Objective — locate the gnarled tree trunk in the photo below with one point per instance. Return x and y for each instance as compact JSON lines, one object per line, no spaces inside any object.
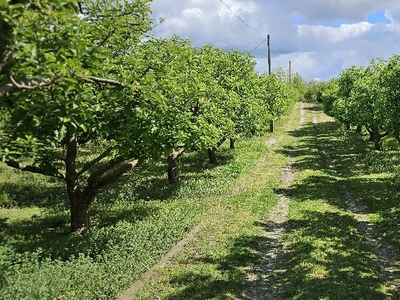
{"x":173,"y":166}
{"x":376,"y":137}
{"x":79,"y":207}
{"x":79,"y":200}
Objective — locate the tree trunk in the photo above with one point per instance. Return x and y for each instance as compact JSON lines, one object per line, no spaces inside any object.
{"x":231,"y":143}
{"x":271,"y":126}
{"x":173,"y":166}
{"x":79,"y":206}
{"x":79,"y":201}
{"x":212,"y":156}
{"x":359,"y":129}
{"x":376,"y":138}
{"x":173,"y":169}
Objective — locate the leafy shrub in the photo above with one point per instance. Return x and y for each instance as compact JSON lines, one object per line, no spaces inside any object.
{"x":5,"y":199}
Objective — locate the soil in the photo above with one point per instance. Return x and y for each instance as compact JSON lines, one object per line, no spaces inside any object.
{"x":261,"y":280}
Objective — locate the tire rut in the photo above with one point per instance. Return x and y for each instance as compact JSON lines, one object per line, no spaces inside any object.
{"x":262,"y":279}
{"x":387,"y":258}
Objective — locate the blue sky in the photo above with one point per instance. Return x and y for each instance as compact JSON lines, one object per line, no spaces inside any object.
{"x":319,"y":37}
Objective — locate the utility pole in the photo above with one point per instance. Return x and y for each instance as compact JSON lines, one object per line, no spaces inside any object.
{"x":271,"y":123}
{"x":290,"y":72}
{"x":269,"y":54}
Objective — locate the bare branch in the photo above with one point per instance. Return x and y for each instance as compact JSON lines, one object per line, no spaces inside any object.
{"x":107,"y":167}
{"x":36,"y":83}
{"x":32,"y":83}
{"x":16,"y":165}
{"x":106,"y":80}
{"x":177,"y":154}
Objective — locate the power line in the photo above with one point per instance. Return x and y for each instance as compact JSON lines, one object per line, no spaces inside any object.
{"x":276,"y":57}
{"x":243,"y":21}
{"x":258,"y":46}
{"x":252,"y":28}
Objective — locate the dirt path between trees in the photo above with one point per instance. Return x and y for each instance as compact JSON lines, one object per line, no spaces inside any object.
{"x":261,"y":280}
{"x":271,"y":253}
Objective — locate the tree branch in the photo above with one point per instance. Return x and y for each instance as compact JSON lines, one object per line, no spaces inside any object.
{"x":91,"y":163}
{"x":177,"y":154}
{"x":105,"y":39}
{"x":32,"y":83}
{"x":16,"y":165}
{"x":385,"y":134}
{"x":36,"y":83}
{"x":106,"y":179}
{"x":107,"y":167}
{"x":106,"y":80}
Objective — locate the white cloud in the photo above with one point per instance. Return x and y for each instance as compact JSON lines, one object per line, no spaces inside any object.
{"x":318,"y":48}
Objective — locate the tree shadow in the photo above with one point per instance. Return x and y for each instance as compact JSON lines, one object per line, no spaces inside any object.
{"x":27,"y":194}
{"x":312,"y":141}
{"x":200,"y":283}
{"x":51,"y":233}
{"x":331,"y":261}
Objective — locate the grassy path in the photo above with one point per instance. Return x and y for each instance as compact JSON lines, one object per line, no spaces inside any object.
{"x":218,"y":261}
{"x":297,"y":226}
{"x":332,"y":247}
{"x":261,"y":280}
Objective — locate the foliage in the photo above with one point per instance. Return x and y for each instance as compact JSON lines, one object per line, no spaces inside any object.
{"x":87,"y":74}
{"x":134,"y":223}
{"x":367,"y":97}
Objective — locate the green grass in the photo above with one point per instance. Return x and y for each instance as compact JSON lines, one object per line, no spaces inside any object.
{"x":327,"y":258}
{"x":139,"y":218}
{"x":214,"y":264}
{"x":134,"y":223}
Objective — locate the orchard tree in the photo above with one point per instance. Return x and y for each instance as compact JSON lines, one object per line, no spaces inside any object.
{"x":390,"y":80}
{"x":329,"y":95}
{"x":67,"y":77}
{"x":367,"y":104}
{"x":340,"y":107}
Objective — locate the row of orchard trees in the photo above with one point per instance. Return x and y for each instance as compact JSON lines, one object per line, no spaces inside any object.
{"x":367,"y":97}
{"x":76,"y":73}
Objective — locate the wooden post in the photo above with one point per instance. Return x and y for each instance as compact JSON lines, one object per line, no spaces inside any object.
{"x":269,"y":54}
{"x":271,"y":124}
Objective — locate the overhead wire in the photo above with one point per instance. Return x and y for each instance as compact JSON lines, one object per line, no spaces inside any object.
{"x":276,"y":57}
{"x":252,"y":28}
{"x":243,"y":21}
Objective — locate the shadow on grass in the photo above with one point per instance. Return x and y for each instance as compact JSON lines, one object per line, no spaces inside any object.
{"x":327,"y":258}
{"x":312,"y":142}
{"x":330,"y":261}
{"x":149,"y":181}
{"x":49,"y":231}
{"x":26,"y":194}
{"x":218,"y":278}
